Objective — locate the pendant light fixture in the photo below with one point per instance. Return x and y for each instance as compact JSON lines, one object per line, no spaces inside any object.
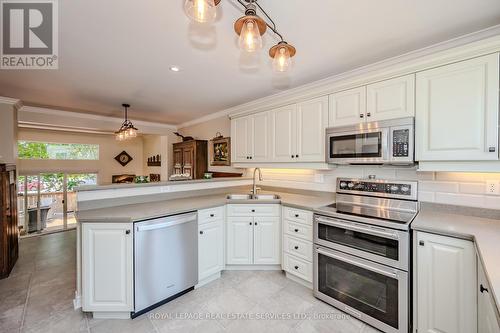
{"x":201,"y":11}
{"x":249,"y":28}
{"x":127,"y":130}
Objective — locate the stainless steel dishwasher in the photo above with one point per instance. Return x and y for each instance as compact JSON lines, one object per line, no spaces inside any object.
{"x":165,"y":260}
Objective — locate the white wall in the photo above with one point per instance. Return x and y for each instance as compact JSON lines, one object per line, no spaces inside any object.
{"x":207,"y":131}
{"x":464,"y":189}
{"x":8,"y":133}
{"x":106,"y":166}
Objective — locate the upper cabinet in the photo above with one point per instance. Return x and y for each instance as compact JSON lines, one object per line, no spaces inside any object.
{"x":312,"y":120}
{"x":284,"y":143}
{"x":457,"y":111}
{"x":347,"y":107}
{"x":241,"y":133}
{"x":389,"y":99}
{"x":251,"y":138}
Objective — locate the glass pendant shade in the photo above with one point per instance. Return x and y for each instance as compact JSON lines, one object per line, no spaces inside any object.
{"x":202,"y":11}
{"x":282,"y":60}
{"x":250,"y":39}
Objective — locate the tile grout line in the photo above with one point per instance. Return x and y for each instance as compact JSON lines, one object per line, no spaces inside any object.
{"x":23,"y":317}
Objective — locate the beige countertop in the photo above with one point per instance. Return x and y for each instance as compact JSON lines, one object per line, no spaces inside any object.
{"x":144,"y":211}
{"x":485,"y":232}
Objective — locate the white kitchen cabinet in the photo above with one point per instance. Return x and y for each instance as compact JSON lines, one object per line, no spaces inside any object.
{"x":391,"y":99}
{"x":241,"y":139}
{"x":347,"y":107}
{"x":210,"y":249}
{"x":239,"y":240}
{"x":487,"y":320}
{"x":312,"y":120}
{"x":261,"y":137}
{"x":446,"y":284}
{"x":266,"y":236}
{"x":284,"y":136}
{"x":107,"y":267}
{"x":457,"y":111}
{"x":253,"y":234}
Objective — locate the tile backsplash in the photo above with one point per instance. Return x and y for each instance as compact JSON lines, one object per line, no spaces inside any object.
{"x":464,"y":189}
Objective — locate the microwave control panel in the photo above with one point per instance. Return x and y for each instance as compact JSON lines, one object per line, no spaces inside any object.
{"x":400,"y":142}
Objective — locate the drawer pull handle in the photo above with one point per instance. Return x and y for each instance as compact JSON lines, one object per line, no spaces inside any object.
{"x":296,"y":247}
{"x":296,"y":267}
{"x":127,"y":232}
{"x":483,"y":289}
{"x":296,"y":230}
{"x":212,"y":215}
{"x":296,"y":215}
{"x":201,"y":232}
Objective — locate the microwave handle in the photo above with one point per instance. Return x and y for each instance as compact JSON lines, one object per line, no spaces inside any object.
{"x":357,"y":263}
{"x":366,"y":230}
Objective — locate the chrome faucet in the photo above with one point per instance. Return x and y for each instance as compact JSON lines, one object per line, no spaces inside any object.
{"x":255,"y":188}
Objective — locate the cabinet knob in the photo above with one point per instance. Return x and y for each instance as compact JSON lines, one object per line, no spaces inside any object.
{"x":296,"y":247}
{"x":297,"y":156}
{"x":492,"y":149}
{"x":250,"y":223}
{"x":421,"y":243}
{"x":296,"y":230}
{"x":296,"y":267}
{"x":201,"y":232}
{"x":296,"y":215}
{"x":127,"y":232}
{"x":253,"y":210}
{"x":361,"y":116}
{"x":483,"y":289}
{"x":255,"y":223}
{"x":293,"y":156}
{"x":368,"y":114}
{"x":212,"y":215}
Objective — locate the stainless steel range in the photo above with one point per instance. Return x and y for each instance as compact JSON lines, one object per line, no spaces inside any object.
{"x":362,"y":251}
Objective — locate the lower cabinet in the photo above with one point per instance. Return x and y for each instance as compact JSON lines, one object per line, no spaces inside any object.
{"x":487,"y":320}
{"x":446,"y":284}
{"x":252,"y":239}
{"x":210,"y":249}
{"x":107,"y":267}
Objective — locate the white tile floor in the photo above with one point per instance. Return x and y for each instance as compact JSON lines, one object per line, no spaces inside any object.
{"x":38,"y":295}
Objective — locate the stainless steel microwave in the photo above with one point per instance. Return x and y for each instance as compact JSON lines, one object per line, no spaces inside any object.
{"x":378,"y":142}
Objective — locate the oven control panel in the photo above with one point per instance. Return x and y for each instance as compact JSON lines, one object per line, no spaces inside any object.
{"x":375,"y":187}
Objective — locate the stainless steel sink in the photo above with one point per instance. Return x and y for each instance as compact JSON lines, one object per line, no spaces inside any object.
{"x":239,"y":197}
{"x":266,"y":197}
{"x":253,"y":197}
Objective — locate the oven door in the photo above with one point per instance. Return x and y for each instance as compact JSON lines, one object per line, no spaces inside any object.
{"x":373,"y":293}
{"x":365,"y":146}
{"x":387,"y":246}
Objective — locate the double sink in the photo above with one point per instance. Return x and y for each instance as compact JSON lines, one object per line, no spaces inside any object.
{"x":253,"y":197}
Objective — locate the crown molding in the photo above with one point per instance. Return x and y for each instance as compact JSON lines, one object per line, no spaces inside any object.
{"x":50,"y":127}
{"x":80,"y":115}
{"x":456,"y":49}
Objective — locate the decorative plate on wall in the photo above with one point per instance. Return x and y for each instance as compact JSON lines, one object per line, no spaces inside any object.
{"x":123,"y":158}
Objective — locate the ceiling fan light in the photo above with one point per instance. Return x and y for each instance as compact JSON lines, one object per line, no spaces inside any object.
{"x":201,"y":11}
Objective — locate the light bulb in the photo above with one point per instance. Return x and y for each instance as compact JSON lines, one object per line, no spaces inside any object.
{"x":250,"y":39}
{"x":282,"y":60}
{"x":202,"y":11}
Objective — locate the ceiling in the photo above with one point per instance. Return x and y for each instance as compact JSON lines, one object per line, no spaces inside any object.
{"x":117,"y":51}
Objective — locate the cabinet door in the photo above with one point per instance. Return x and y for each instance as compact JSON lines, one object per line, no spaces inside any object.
{"x":266,"y":240}
{"x":260,"y":137}
{"x":107,"y":267}
{"x":312,"y":120}
{"x":177,"y":160}
{"x":446,"y":280}
{"x":239,"y":240}
{"x":390,"y":99}
{"x":210,"y":249}
{"x":457,"y":111}
{"x":284,"y":137}
{"x":188,"y":161}
{"x":239,"y":139}
{"x":487,"y":321}
{"x":347,"y":107}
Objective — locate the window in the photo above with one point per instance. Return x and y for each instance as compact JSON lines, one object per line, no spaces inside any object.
{"x":57,"y":151}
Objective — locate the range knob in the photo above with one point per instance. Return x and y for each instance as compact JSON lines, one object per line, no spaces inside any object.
{"x":343,"y":184}
{"x":405,"y":189}
{"x":350,"y":185}
{"x":394,"y":188}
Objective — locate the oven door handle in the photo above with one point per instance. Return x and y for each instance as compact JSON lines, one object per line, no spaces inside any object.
{"x":355,"y":227}
{"x":359,"y":264}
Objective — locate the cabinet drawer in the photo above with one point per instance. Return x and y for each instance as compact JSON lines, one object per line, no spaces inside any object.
{"x":298,"y":215}
{"x":298,"y":267}
{"x":298,"y":230}
{"x":298,"y":247}
{"x":210,"y":215}
{"x":253,"y":210}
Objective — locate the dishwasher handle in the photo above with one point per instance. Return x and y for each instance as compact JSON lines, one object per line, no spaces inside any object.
{"x":169,"y":223}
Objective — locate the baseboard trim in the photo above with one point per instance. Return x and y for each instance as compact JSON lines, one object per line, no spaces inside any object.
{"x":294,"y":278}
{"x":111,"y":315}
{"x":253,"y":267}
{"x":207,"y":280}
{"x":77,"y":301}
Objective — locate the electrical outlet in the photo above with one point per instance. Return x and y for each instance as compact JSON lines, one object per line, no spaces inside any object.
{"x":492,"y":187}
{"x":319,"y":178}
